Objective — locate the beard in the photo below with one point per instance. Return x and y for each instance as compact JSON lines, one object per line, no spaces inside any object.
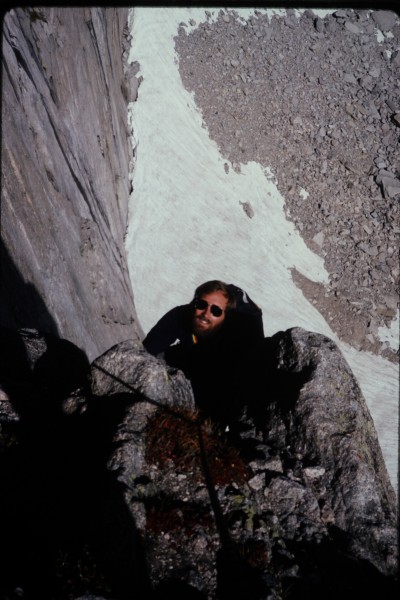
{"x":204,"y":328}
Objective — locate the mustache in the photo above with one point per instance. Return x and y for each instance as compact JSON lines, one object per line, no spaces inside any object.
{"x":201,"y":318}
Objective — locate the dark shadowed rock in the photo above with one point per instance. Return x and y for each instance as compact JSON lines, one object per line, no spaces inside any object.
{"x":38,"y":371}
{"x":149,"y":502}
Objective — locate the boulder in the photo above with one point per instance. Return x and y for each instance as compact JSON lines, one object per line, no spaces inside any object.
{"x":129,"y":368}
{"x":330,"y":429}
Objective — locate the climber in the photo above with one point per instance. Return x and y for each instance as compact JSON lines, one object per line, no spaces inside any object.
{"x":211,"y":340}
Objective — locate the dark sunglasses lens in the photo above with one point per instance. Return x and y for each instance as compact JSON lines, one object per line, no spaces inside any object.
{"x":216,"y":310}
{"x":201,"y":304}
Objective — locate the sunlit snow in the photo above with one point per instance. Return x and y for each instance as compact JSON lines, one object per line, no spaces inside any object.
{"x":188,"y":224}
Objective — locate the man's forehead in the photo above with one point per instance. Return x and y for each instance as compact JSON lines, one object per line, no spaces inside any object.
{"x":216,"y":296}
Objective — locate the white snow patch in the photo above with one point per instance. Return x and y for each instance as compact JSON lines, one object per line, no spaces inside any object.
{"x":391,"y":334}
{"x":187,"y":225}
{"x":379,"y":36}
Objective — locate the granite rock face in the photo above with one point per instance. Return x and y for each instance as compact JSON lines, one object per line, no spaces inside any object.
{"x":65,"y":174}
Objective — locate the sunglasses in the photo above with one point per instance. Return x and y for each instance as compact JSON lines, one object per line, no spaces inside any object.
{"x":201,"y":304}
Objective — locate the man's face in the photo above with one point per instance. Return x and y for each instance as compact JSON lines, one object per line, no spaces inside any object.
{"x":206,"y":323}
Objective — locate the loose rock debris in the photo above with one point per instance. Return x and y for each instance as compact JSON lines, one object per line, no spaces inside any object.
{"x":316,"y":100}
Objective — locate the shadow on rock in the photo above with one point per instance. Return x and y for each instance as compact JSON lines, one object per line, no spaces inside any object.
{"x":236,"y":579}
{"x":178,"y":590}
{"x":20,"y":303}
{"x":65,"y":527}
{"x":327,"y":570}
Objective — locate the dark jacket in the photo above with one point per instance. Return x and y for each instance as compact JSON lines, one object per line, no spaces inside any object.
{"x":174,"y":325}
{"x":216,"y":366}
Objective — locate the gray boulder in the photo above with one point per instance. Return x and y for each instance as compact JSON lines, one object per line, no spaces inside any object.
{"x":332,"y":438}
{"x":384,"y":19}
{"x":129,"y":368}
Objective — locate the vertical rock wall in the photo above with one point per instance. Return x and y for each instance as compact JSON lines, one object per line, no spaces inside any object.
{"x":65,"y":175}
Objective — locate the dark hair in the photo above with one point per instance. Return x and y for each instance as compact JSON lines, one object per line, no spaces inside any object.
{"x":217,"y":286}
